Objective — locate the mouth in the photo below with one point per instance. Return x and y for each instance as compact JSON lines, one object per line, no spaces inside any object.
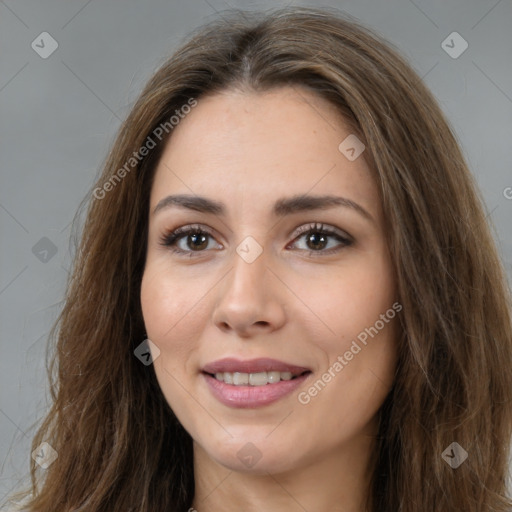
{"x":254,"y":383}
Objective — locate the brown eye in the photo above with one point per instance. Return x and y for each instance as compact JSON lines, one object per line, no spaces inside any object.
{"x":197,"y":241}
{"x":316,"y":241}
{"x":187,"y":239}
{"x":318,"y":238}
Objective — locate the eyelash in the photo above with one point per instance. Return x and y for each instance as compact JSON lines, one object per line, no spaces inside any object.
{"x":170,"y":239}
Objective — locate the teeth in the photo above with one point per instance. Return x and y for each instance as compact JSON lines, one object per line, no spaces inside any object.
{"x":240,"y":379}
{"x":252,"y":379}
{"x":273,"y":377}
{"x":257,"y":379}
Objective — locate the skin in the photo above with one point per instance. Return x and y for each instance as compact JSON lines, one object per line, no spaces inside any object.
{"x":247,"y":150}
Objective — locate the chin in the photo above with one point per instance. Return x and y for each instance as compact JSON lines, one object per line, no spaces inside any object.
{"x":254,"y":452}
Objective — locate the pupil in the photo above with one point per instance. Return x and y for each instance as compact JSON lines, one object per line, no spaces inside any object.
{"x":197,"y":236}
{"x":313,"y":238}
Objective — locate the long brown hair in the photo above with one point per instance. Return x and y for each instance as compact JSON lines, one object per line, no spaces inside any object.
{"x":119,"y":445}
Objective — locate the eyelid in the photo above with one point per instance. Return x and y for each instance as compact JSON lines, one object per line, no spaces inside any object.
{"x":315,"y":226}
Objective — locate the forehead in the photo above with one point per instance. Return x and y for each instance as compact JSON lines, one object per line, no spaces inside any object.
{"x":261,"y":146}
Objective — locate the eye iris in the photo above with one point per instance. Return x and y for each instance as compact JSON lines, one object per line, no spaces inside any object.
{"x":198,"y":236}
{"x":315,"y":237}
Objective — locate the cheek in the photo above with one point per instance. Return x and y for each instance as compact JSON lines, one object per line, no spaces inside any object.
{"x":162,"y":313}
{"x":166,"y":306}
{"x":359,"y":325}
{"x":166,"y":300}
{"x":350,"y":299}
{"x":176,"y":311}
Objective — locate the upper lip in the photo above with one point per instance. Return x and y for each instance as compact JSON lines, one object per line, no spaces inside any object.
{"x":233,"y":365}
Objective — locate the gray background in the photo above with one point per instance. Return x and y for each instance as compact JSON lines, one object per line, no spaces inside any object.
{"x":59,"y":115}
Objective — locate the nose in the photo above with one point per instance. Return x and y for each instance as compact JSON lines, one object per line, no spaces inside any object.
{"x":250,"y":299}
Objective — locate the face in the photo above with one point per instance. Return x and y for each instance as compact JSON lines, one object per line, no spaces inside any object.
{"x":263,"y":288}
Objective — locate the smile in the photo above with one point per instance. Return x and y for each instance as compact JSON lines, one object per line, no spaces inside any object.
{"x":253,"y":383}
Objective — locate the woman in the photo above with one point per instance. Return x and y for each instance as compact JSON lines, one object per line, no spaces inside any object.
{"x":286,"y":294}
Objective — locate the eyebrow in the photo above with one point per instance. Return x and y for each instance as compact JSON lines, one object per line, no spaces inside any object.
{"x":282,"y":207}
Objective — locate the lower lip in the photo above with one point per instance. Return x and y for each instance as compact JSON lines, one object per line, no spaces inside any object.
{"x":252,"y":396}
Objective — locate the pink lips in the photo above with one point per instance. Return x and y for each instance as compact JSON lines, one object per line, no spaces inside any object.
{"x":252,"y":396}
